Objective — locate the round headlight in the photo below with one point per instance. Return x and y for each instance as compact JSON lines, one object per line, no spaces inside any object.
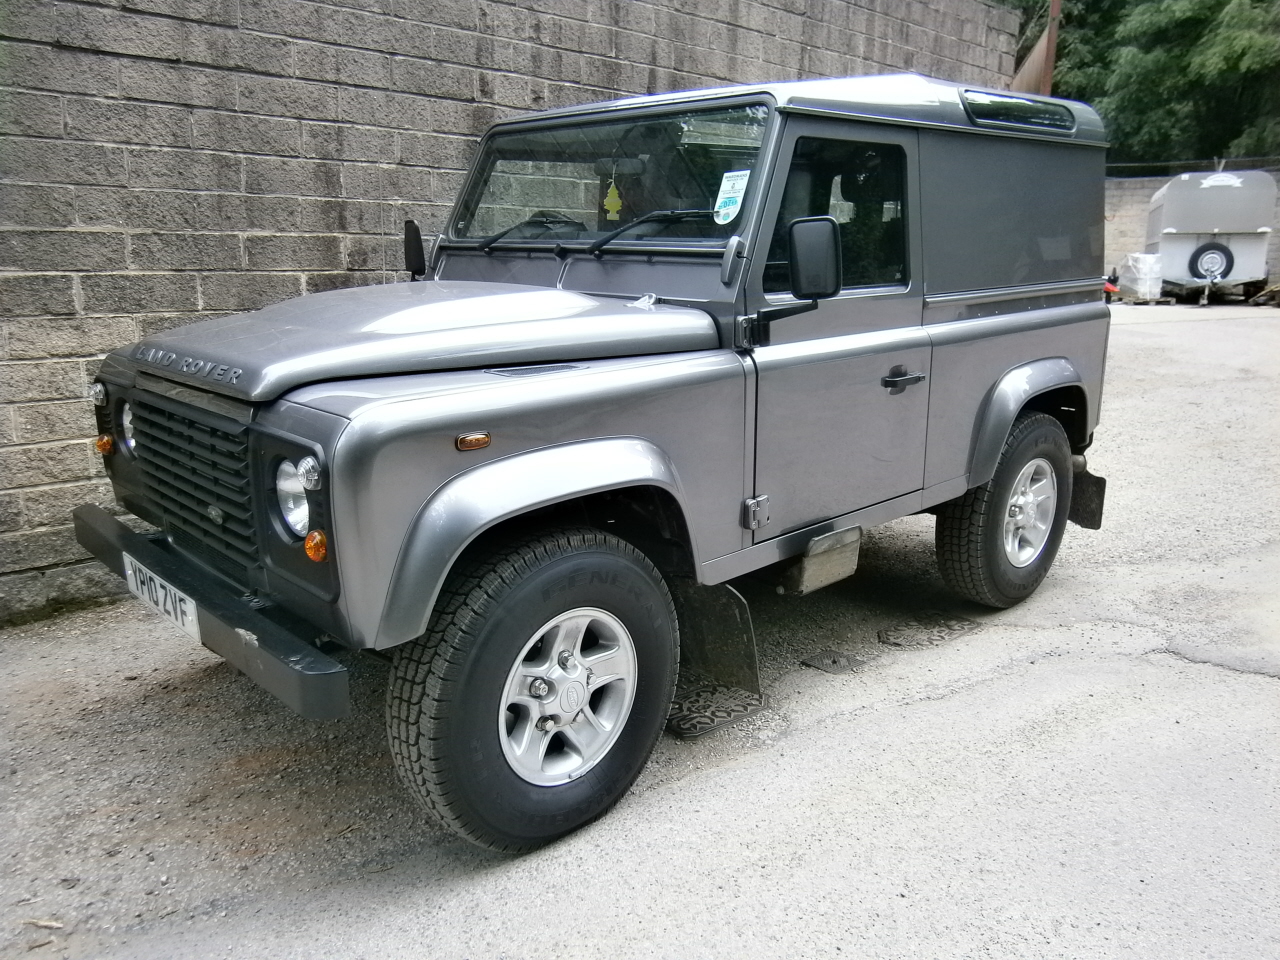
{"x":126,"y":426}
{"x":292,"y":498}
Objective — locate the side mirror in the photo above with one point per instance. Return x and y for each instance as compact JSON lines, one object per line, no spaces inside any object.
{"x":815,"y":273}
{"x":415,"y":261}
{"x":815,"y":258}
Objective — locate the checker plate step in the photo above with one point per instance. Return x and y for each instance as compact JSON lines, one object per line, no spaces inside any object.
{"x":698,"y":710}
{"x":835,"y":661}
{"x":926,"y":629}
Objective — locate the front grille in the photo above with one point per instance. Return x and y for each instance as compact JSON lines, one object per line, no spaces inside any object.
{"x":199,"y":476}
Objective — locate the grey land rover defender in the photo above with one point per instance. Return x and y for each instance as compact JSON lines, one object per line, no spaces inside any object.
{"x":660,"y":343}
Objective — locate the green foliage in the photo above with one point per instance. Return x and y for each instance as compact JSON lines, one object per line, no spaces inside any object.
{"x":1174,"y":79}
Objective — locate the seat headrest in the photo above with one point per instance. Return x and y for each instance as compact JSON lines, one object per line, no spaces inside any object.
{"x":874,"y":179}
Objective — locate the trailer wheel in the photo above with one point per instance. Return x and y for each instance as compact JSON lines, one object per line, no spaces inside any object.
{"x":1211,"y":260}
{"x":996,"y":543}
{"x":536,"y":696}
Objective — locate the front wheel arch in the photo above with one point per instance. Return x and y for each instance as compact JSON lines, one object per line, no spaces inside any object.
{"x":517,"y":489}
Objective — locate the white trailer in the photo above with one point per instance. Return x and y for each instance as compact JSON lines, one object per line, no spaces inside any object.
{"x":1211,"y":231}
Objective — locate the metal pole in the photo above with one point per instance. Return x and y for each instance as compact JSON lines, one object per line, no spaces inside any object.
{"x":1050,"y":47}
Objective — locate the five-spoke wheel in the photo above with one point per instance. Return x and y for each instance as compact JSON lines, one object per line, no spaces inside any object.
{"x":996,"y":543}
{"x":567,"y":696}
{"x":1033,"y":503}
{"x":535,"y":697}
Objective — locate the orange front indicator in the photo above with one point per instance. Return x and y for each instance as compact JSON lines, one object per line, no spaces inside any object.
{"x":317,"y":546}
{"x":104,"y":444}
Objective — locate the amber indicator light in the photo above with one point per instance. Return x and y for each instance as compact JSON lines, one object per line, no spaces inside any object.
{"x":473,"y":441}
{"x":317,"y":546}
{"x":104,"y":444}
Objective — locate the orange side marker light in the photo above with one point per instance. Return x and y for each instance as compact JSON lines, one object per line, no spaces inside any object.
{"x":104,"y":444}
{"x":317,"y":546}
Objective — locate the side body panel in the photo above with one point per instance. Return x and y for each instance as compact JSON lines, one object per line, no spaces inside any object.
{"x":971,"y":356}
{"x":1013,"y":247}
{"x":399,"y":450}
{"x":1001,"y":212}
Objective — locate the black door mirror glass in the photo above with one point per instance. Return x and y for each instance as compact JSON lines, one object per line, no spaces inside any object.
{"x":415,"y":261}
{"x":815,"y":258}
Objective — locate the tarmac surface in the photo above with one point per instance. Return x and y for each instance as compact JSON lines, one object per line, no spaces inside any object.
{"x":1093,"y":773}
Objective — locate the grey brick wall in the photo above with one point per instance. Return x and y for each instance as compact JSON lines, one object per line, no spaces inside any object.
{"x":167,"y":160}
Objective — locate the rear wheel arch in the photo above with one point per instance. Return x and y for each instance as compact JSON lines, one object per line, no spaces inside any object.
{"x":1051,"y":385}
{"x":1069,"y":405}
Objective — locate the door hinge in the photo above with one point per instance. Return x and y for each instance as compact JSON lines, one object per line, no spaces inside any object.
{"x":755,"y":512}
{"x":752,"y":333}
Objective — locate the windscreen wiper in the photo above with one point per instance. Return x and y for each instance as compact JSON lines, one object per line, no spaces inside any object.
{"x":544,"y":220}
{"x":609,"y":237}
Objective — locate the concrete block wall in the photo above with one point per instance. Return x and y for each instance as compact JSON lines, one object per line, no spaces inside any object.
{"x":167,"y":160}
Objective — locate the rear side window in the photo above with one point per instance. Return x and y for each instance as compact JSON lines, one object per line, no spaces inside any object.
{"x":861,"y":185}
{"x":1002,"y":211}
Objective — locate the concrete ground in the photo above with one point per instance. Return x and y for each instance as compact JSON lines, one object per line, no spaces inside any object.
{"x":1091,"y":774}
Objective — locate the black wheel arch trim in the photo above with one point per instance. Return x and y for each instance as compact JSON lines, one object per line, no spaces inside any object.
{"x":1009,"y":397}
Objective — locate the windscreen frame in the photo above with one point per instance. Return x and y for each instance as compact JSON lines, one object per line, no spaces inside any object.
{"x":458,"y":235}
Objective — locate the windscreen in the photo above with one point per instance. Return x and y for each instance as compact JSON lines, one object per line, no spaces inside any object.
{"x":585,"y":180}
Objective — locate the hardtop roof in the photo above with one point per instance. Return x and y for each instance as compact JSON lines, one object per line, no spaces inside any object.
{"x":899,"y":97}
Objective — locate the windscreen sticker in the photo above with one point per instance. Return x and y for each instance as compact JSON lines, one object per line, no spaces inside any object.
{"x":729,"y":201}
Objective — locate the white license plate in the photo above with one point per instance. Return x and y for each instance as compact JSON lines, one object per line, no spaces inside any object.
{"x":162,"y":597}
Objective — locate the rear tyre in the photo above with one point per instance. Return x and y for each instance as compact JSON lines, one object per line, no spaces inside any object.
{"x":536,"y":696}
{"x":996,"y":543}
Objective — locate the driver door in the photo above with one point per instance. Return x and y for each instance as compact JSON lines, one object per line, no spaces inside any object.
{"x":842,"y":391}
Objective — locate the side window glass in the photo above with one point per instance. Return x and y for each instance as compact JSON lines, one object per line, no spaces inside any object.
{"x":863,"y":187}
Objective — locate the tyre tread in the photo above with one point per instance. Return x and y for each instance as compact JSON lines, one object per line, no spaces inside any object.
{"x":425,"y":671}
{"x":965,"y":523}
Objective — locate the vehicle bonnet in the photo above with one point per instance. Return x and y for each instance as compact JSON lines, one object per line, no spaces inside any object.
{"x":412,"y":328}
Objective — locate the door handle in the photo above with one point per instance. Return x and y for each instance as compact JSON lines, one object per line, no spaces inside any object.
{"x":898,"y":379}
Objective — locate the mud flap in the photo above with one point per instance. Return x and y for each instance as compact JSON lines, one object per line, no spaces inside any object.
{"x":1087,"y":494}
{"x":719,"y":673}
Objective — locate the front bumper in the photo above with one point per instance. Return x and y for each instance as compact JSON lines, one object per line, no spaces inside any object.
{"x":272,"y":656}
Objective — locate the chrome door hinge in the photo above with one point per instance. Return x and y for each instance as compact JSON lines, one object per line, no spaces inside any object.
{"x":755,"y":512}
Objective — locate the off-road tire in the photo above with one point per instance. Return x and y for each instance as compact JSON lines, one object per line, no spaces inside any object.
{"x":444,"y":688}
{"x":968,"y":535}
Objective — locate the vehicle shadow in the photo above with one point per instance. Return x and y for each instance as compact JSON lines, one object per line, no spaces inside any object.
{"x":895,"y":595}
{"x":174,"y":765}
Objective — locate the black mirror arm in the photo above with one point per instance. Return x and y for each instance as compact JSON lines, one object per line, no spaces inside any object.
{"x":759,"y":331}
{"x":415,"y":261}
